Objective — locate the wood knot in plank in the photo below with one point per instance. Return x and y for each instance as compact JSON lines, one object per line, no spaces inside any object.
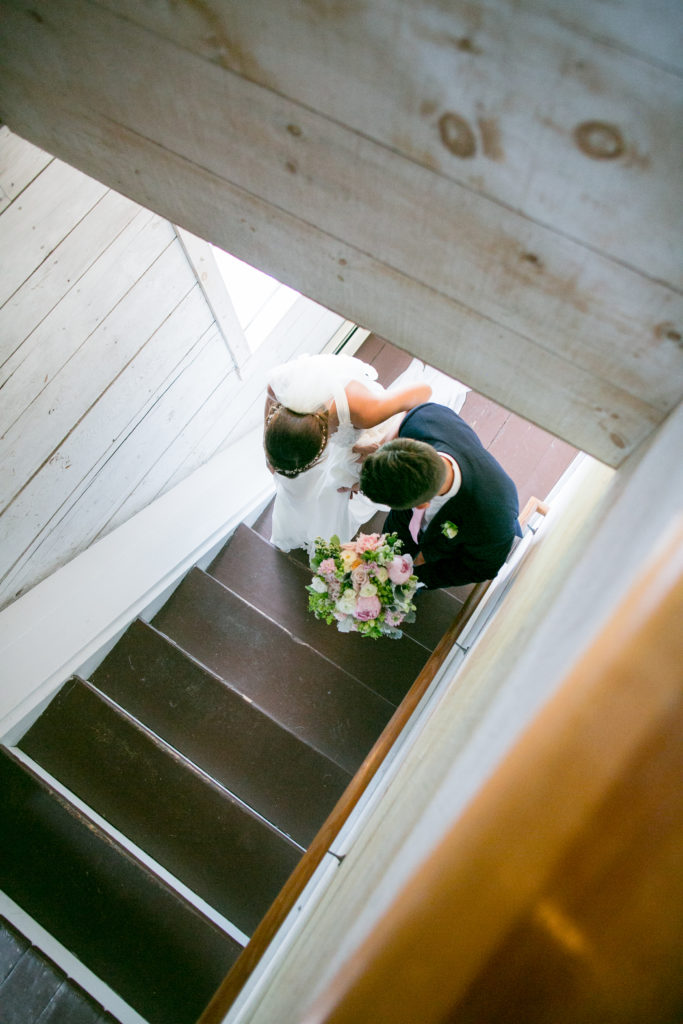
{"x":668,"y":330}
{"x":465,"y":45}
{"x":456,"y":135}
{"x":599,"y":140}
{"x":533,"y":259}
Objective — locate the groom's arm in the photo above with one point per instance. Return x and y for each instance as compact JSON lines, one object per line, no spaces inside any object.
{"x":464,"y":566}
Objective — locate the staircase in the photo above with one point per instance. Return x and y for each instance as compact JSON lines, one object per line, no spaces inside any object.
{"x":153,"y":812}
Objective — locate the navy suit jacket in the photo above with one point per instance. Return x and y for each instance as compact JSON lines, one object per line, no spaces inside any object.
{"x":485,"y":508}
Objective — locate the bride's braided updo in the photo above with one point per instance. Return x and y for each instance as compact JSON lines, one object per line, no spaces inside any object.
{"x":294,"y":441}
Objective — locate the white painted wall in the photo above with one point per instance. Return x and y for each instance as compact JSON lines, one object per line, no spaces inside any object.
{"x":123,"y":367}
{"x":71,"y":618}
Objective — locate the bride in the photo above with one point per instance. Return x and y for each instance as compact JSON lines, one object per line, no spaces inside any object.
{"x":323,"y":414}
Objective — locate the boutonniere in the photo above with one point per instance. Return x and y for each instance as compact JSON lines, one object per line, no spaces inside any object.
{"x":449,"y":529}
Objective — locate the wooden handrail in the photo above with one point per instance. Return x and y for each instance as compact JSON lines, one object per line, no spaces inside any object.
{"x":238,"y":975}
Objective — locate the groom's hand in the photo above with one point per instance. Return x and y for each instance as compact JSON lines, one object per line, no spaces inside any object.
{"x":419,"y":559}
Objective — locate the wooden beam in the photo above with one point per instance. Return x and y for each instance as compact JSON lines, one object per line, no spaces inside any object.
{"x":202,"y":260}
{"x":513,"y":221}
{"x":488,"y":95}
{"x":563,"y":876}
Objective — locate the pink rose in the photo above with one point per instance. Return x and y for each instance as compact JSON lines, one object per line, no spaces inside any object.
{"x":367,"y":542}
{"x":400,"y":568}
{"x":368,"y":608}
{"x":359,"y":576}
{"x":327,"y":567}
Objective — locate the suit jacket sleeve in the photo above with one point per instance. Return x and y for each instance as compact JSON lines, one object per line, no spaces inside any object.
{"x":461,"y":564}
{"x":464,"y":566}
{"x":485,"y":508}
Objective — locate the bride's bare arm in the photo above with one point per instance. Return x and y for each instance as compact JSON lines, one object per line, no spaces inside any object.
{"x":368,"y":409}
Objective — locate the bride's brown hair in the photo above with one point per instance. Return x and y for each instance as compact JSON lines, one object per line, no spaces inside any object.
{"x":294,"y":441}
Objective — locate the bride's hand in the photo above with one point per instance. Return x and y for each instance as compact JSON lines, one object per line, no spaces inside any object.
{"x":353,"y":489}
{"x":363,"y":450}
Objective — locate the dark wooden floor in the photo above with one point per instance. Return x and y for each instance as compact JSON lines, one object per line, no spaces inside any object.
{"x":33,"y":988}
{"x":532,"y":457}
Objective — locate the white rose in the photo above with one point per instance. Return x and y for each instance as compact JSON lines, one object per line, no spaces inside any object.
{"x":318,"y":585}
{"x":368,"y":590}
{"x":346,"y":603}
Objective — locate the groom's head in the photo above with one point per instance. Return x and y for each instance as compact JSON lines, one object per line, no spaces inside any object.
{"x":403,"y":473}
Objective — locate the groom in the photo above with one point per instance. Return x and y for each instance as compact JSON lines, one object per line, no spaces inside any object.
{"x":453,"y":505}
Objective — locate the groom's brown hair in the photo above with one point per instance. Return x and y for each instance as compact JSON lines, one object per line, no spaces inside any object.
{"x":403,"y":473}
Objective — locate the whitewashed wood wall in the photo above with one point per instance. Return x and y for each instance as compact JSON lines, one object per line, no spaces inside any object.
{"x":494,"y":186}
{"x":116,"y":381}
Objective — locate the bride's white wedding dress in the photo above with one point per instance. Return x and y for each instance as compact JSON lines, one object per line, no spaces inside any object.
{"x":310,"y":505}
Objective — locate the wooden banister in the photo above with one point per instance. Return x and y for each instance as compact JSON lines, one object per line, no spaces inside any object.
{"x":290,"y":892}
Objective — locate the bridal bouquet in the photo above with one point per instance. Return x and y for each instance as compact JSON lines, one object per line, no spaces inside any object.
{"x":366,"y":586}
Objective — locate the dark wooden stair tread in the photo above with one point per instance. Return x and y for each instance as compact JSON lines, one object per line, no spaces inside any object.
{"x":436,"y":609}
{"x":29,"y":989}
{"x":13,"y":945}
{"x":291,"y":682}
{"x":143,"y":940}
{"x":284,"y":779}
{"x":264,"y":527}
{"x":68,"y":1006}
{"x":268,"y":579}
{"x":33,"y":988}
{"x":264,"y":523}
{"x":200,"y":833}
